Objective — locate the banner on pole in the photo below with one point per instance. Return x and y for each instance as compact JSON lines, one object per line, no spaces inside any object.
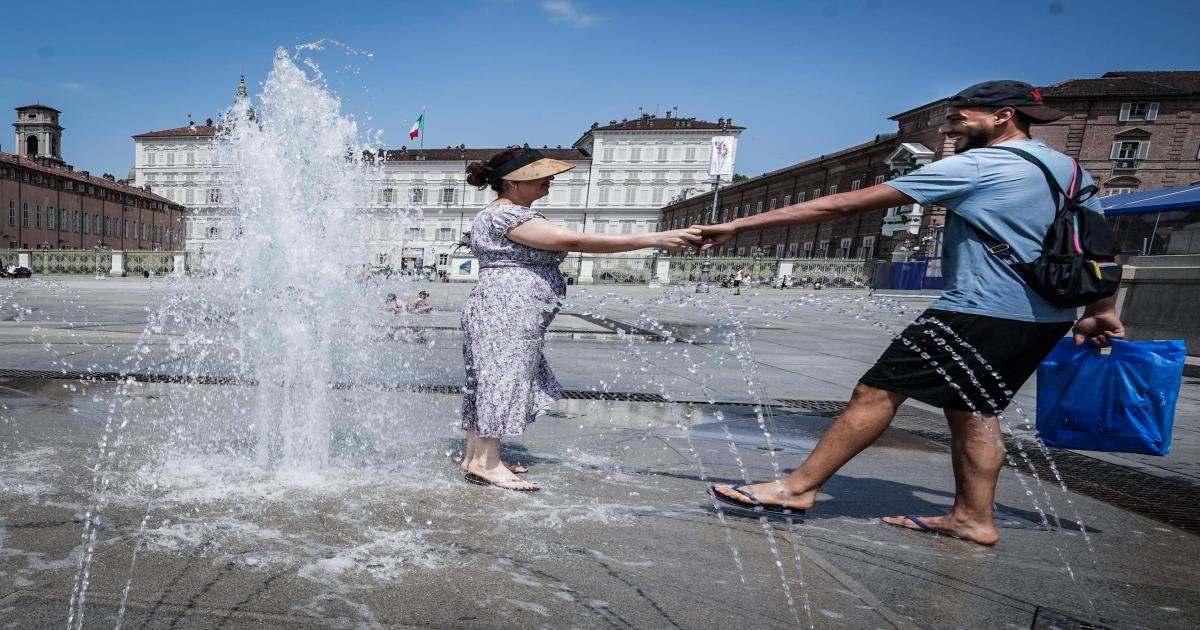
{"x":721,"y":152}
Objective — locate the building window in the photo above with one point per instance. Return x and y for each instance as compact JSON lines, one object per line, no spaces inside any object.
{"x":576,"y":195}
{"x":635,"y":154}
{"x":443,"y":259}
{"x":787,"y":200}
{"x":779,"y":250}
{"x":657,"y":196}
{"x":866,"y":249}
{"x":214,"y":195}
{"x":608,"y":154}
{"x":1128,"y":151}
{"x":741,"y":251}
{"x":416,"y":195}
{"x":844,"y":250}
{"x":603,"y":195}
{"x":447,"y":196}
{"x":387,"y":195}
{"x":823,"y":249}
{"x":800,"y":197}
{"x":627,"y":227}
{"x":24,"y":215}
{"x":601,"y":227}
{"x":1138,"y":111}
{"x":12,"y":212}
{"x":856,"y":184}
{"x":1116,"y":190}
{"x":832,"y":189}
{"x":51,"y":218}
{"x":149,"y":159}
{"x":170,"y":158}
{"x":771,"y":206}
{"x":689,"y":154}
{"x":189,"y":196}
{"x":879,"y":179}
{"x":630,"y":195}
{"x":816,"y":193}
{"x":808,"y":249}
{"x":758,"y":207}
{"x":662,"y":154}
{"x":63,"y":217}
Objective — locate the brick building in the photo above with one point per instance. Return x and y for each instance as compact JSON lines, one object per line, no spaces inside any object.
{"x":47,"y":204}
{"x":1130,"y":130}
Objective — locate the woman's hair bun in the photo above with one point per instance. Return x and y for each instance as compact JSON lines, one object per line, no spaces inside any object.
{"x":477,"y":173}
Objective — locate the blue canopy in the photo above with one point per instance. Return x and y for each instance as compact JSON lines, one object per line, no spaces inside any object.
{"x":1159,"y":200}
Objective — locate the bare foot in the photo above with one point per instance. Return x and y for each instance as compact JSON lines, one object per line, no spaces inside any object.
{"x":771,"y":493}
{"x":516,"y":469}
{"x":502,"y":478}
{"x":982,"y":533}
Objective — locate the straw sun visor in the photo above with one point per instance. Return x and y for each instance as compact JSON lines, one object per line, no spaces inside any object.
{"x":544,"y":167}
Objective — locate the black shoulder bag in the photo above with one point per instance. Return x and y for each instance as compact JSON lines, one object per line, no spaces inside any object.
{"x":1077,"y":264}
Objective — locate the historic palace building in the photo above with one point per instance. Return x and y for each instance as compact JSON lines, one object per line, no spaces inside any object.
{"x":50,"y":205}
{"x":625,"y":172}
{"x":1130,"y":130}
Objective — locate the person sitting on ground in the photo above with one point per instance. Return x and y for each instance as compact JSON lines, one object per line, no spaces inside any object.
{"x":985,"y":303}
{"x":419,"y":304}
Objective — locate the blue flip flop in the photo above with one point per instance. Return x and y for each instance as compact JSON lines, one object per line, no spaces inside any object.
{"x":922,"y":526}
{"x":755,"y":505}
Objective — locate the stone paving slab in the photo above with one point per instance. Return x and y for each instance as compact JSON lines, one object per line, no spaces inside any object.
{"x":622,"y":536}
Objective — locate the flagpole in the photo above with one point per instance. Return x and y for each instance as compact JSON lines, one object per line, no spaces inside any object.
{"x":422,"y":129}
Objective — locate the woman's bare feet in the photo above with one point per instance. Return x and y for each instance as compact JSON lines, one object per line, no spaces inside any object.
{"x":502,"y":477}
{"x":982,"y":533}
{"x":771,"y":493}
{"x":517,"y":468}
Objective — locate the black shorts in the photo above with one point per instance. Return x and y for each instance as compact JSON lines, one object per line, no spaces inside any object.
{"x":1010,"y":348}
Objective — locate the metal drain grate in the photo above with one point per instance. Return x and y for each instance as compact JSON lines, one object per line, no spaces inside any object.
{"x":141,"y":377}
{"x":1166,"y":500}
{"x":824,"y":406}
{"x":620,"y":396}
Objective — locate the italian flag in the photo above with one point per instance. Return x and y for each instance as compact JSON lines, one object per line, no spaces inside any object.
{"x":417,"y":127}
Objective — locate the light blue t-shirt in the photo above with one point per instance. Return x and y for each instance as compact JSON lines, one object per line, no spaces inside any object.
{"x":1008,"y":198}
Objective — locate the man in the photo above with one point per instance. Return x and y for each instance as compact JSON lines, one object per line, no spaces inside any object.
{"x":984,"y":302}
{"x":419,"y":304}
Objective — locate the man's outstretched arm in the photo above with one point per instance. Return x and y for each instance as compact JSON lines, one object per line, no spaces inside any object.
{"x":826,"y":208}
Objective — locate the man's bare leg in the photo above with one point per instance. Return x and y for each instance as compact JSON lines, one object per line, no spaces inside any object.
{"x":978,"y":454}
{"x":869,"y":413}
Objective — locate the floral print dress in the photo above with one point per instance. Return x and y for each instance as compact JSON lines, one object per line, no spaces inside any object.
{"x":504,"y":321}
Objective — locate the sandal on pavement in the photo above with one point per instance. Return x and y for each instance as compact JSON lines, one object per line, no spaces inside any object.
{"x":754,"y":505}
{"x":482,"y":481}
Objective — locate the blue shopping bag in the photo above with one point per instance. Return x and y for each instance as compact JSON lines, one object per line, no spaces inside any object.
{"x":1123,"y":401}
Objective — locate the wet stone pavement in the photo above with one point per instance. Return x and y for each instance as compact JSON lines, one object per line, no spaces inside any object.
{"x":622,"y":535}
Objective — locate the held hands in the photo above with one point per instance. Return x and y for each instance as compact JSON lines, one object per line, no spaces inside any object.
{"x":678,"y":240}
{"x":715,"y":234}
{"x":1101,"y":328}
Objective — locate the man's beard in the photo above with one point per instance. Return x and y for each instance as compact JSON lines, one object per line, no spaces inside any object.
{"x":975,"y":139}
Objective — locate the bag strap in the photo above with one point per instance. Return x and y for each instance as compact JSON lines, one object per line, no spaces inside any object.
{"x":1003,"y":250}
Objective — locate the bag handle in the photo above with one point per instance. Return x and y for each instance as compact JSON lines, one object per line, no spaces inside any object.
{"x":1003,"y":250}
{"x":1055,"y":188}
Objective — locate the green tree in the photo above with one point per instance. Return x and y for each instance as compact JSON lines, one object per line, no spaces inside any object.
{"x":738,"y":177}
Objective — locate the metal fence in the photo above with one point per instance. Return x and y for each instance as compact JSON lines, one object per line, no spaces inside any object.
{"x":832,"y":272}
{"x":829,"y":272}
{"x":157,"y":263}
{"x":69,"y":261}
{"x":622,"y":269}
{"x":8,"y":257}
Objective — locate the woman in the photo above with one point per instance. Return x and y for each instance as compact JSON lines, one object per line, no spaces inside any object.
{"x":504,"y":320}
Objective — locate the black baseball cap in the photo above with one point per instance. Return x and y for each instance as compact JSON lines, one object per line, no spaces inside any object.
{"x":1015,"y":94}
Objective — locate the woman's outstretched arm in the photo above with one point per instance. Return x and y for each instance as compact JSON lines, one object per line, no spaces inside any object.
{"x":542,"y":234}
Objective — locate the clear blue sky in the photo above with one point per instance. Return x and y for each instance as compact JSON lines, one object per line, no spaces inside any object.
{"x":805,"y":77}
